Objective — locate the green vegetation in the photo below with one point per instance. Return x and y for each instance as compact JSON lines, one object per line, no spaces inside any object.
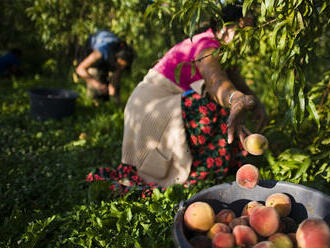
{"x":44,"y":198}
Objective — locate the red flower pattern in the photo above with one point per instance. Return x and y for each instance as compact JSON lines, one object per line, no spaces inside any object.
{"x":224,"y":128}
{"x":201,"y":139}
{"x":193,"y":124}
{"x":206,"y":129}
{"x":188,"y":102}
{"x":205,"y":121}
{"x":222,"y":142}
{"x":211,"y":146}
{"x":223,"y":112}
{"x":203,"y":110}
{"x":196,"y":96}
{"x":222,"y":152}
{"x":193,"y":139}
{"x":210,"y":162}
{"x":211,"y":106}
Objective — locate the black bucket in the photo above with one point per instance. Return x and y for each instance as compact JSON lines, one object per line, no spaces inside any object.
{"x":46,"y":103}
{"x":306,"y":203}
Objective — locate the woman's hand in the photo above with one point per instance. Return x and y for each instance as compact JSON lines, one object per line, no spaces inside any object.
{"x":240,"y":104}
{"x":101,"y":88}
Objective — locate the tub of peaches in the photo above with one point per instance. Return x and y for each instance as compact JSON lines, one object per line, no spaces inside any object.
{"x":261,"y":224}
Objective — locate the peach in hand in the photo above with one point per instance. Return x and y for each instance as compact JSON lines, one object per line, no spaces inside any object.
{"x":255,"y":144}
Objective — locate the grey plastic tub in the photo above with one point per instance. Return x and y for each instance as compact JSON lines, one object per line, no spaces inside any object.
{"x":306,"y":202}
{"x":48,"y":103}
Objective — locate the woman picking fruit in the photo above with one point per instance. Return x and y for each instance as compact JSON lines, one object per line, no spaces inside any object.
{"x":107,"y":57}
{"x":181,"y":130}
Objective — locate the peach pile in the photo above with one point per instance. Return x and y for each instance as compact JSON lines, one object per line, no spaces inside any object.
{"x":264,"y":224}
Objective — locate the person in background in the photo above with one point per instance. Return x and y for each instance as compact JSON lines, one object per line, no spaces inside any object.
{"x":10,"y":62}
{"x":107,"y":58}
{"x":181,"y":130}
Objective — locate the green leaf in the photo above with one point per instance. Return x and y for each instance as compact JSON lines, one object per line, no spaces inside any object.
{"x":246,"y":6}
{"x":193,"y":21}
{"x":177,"y":72}
{"x":193,"y":69}
{"x":300,"y":20}
{"x":269,"y":4}
{"x":273,"y":39}
{"x":263,"y":9}
{"x":303,"y":168}
{"x":313,"y":112}
{"x":302,"y":104}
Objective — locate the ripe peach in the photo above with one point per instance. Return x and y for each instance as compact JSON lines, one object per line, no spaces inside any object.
{"x":223,"y":240}
{"x":313,"y":233}
{"x":242,"y":220}
{"x":200,"y":241}
{"x":225,"y":216}
{"x":281,"y":240}
{"x":199,"y":216}
{"x":264,"y":244}
{"x":264,"y":220}
{"x":256,"y":144}
{"x":244,"y":236}
{"x":247,"y":176}
{"x":281,"y":202}
{"x":248,"y":208}
{"x":218,"y":227}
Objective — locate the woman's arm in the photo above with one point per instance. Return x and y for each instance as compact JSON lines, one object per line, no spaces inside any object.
{"x":222,"y":89}
{"x":114,"y":85}
{"x":82,"y":70}
{"x":259,"y":113}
